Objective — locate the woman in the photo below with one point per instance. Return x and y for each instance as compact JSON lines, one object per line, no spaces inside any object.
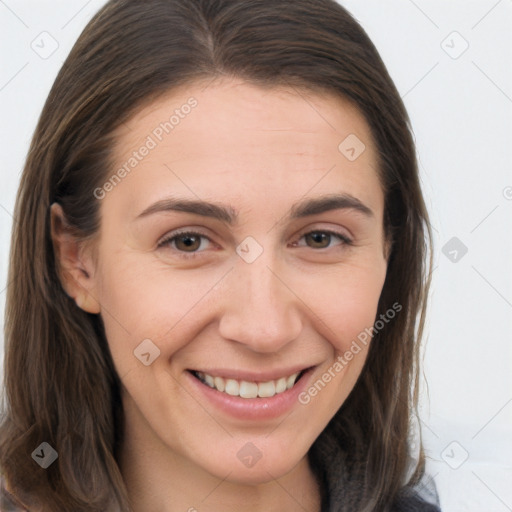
{"x":218,"y":270}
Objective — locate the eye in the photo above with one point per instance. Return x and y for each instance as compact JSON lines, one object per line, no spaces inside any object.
{"x":186,"y":242}
{"x":321,"y":239}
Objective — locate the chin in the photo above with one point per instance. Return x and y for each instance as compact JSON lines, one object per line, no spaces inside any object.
{"x":250,"y":466}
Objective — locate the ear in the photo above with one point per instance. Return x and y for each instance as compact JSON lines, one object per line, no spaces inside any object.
{"x":74,"y":262}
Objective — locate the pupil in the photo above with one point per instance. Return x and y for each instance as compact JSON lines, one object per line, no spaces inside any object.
{"x":319,"y":239}
{"x":188,"y":242}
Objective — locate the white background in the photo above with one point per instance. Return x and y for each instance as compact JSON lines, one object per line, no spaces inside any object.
{"x":460,"y":105}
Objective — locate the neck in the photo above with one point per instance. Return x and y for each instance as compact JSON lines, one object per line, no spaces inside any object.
{"x":159,"y":479}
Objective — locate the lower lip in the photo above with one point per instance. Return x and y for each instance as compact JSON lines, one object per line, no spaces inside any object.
{"x":253,"y":408}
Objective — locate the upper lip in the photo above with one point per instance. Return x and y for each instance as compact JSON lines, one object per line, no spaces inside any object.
{"x":251,"y":376}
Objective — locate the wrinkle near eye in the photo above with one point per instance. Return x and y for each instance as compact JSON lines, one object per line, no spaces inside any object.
{"x":331,"y":237}
{"x":173,"y":241}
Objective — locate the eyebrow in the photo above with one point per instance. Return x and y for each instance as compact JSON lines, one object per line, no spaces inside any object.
{"x":227,"y":214}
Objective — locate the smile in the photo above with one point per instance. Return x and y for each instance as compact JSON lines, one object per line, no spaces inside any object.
{"x":248,"y":389}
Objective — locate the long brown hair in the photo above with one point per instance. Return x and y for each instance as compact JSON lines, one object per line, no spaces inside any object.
{"x":60,"y":383}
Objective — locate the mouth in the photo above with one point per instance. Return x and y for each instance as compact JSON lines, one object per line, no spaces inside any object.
{"x":251,"y":390}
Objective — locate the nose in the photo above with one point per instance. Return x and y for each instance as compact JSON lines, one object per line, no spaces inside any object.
{"x":259,"y":307}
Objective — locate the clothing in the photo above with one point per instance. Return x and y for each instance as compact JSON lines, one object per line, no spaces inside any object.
{"x":340,"y":480}
{"x":423,"y":498}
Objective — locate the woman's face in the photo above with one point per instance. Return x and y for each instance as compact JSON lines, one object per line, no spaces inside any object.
{"x":267,"y":289}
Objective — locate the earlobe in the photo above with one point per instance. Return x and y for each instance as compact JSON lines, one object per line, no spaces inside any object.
{"x":75,"y":273}
{"x":87,"y":303}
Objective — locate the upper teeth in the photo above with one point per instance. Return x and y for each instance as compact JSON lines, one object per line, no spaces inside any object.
{"x":247,"y":389}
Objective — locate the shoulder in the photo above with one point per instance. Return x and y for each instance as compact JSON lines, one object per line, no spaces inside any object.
{"x":9,"y":502}
{"x":421,"y":498}
{"x":414,"y":504}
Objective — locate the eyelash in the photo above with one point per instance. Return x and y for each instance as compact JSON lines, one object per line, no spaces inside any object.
{"x":182,"y":254}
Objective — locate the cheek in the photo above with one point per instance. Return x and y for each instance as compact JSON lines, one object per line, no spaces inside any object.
{"x":151,"y":301}
{"x":345,"y":302}
{"x":346,"y":311}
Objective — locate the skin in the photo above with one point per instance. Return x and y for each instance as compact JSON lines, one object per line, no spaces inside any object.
{"x":258,"y":151}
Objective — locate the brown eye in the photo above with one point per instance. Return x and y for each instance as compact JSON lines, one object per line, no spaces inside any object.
{"x":318,"y":239}
{"x":322,"y":240}
{"x":187,"y":242}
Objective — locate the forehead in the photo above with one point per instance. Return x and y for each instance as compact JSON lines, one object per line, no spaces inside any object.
{"x":230,"y":137}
